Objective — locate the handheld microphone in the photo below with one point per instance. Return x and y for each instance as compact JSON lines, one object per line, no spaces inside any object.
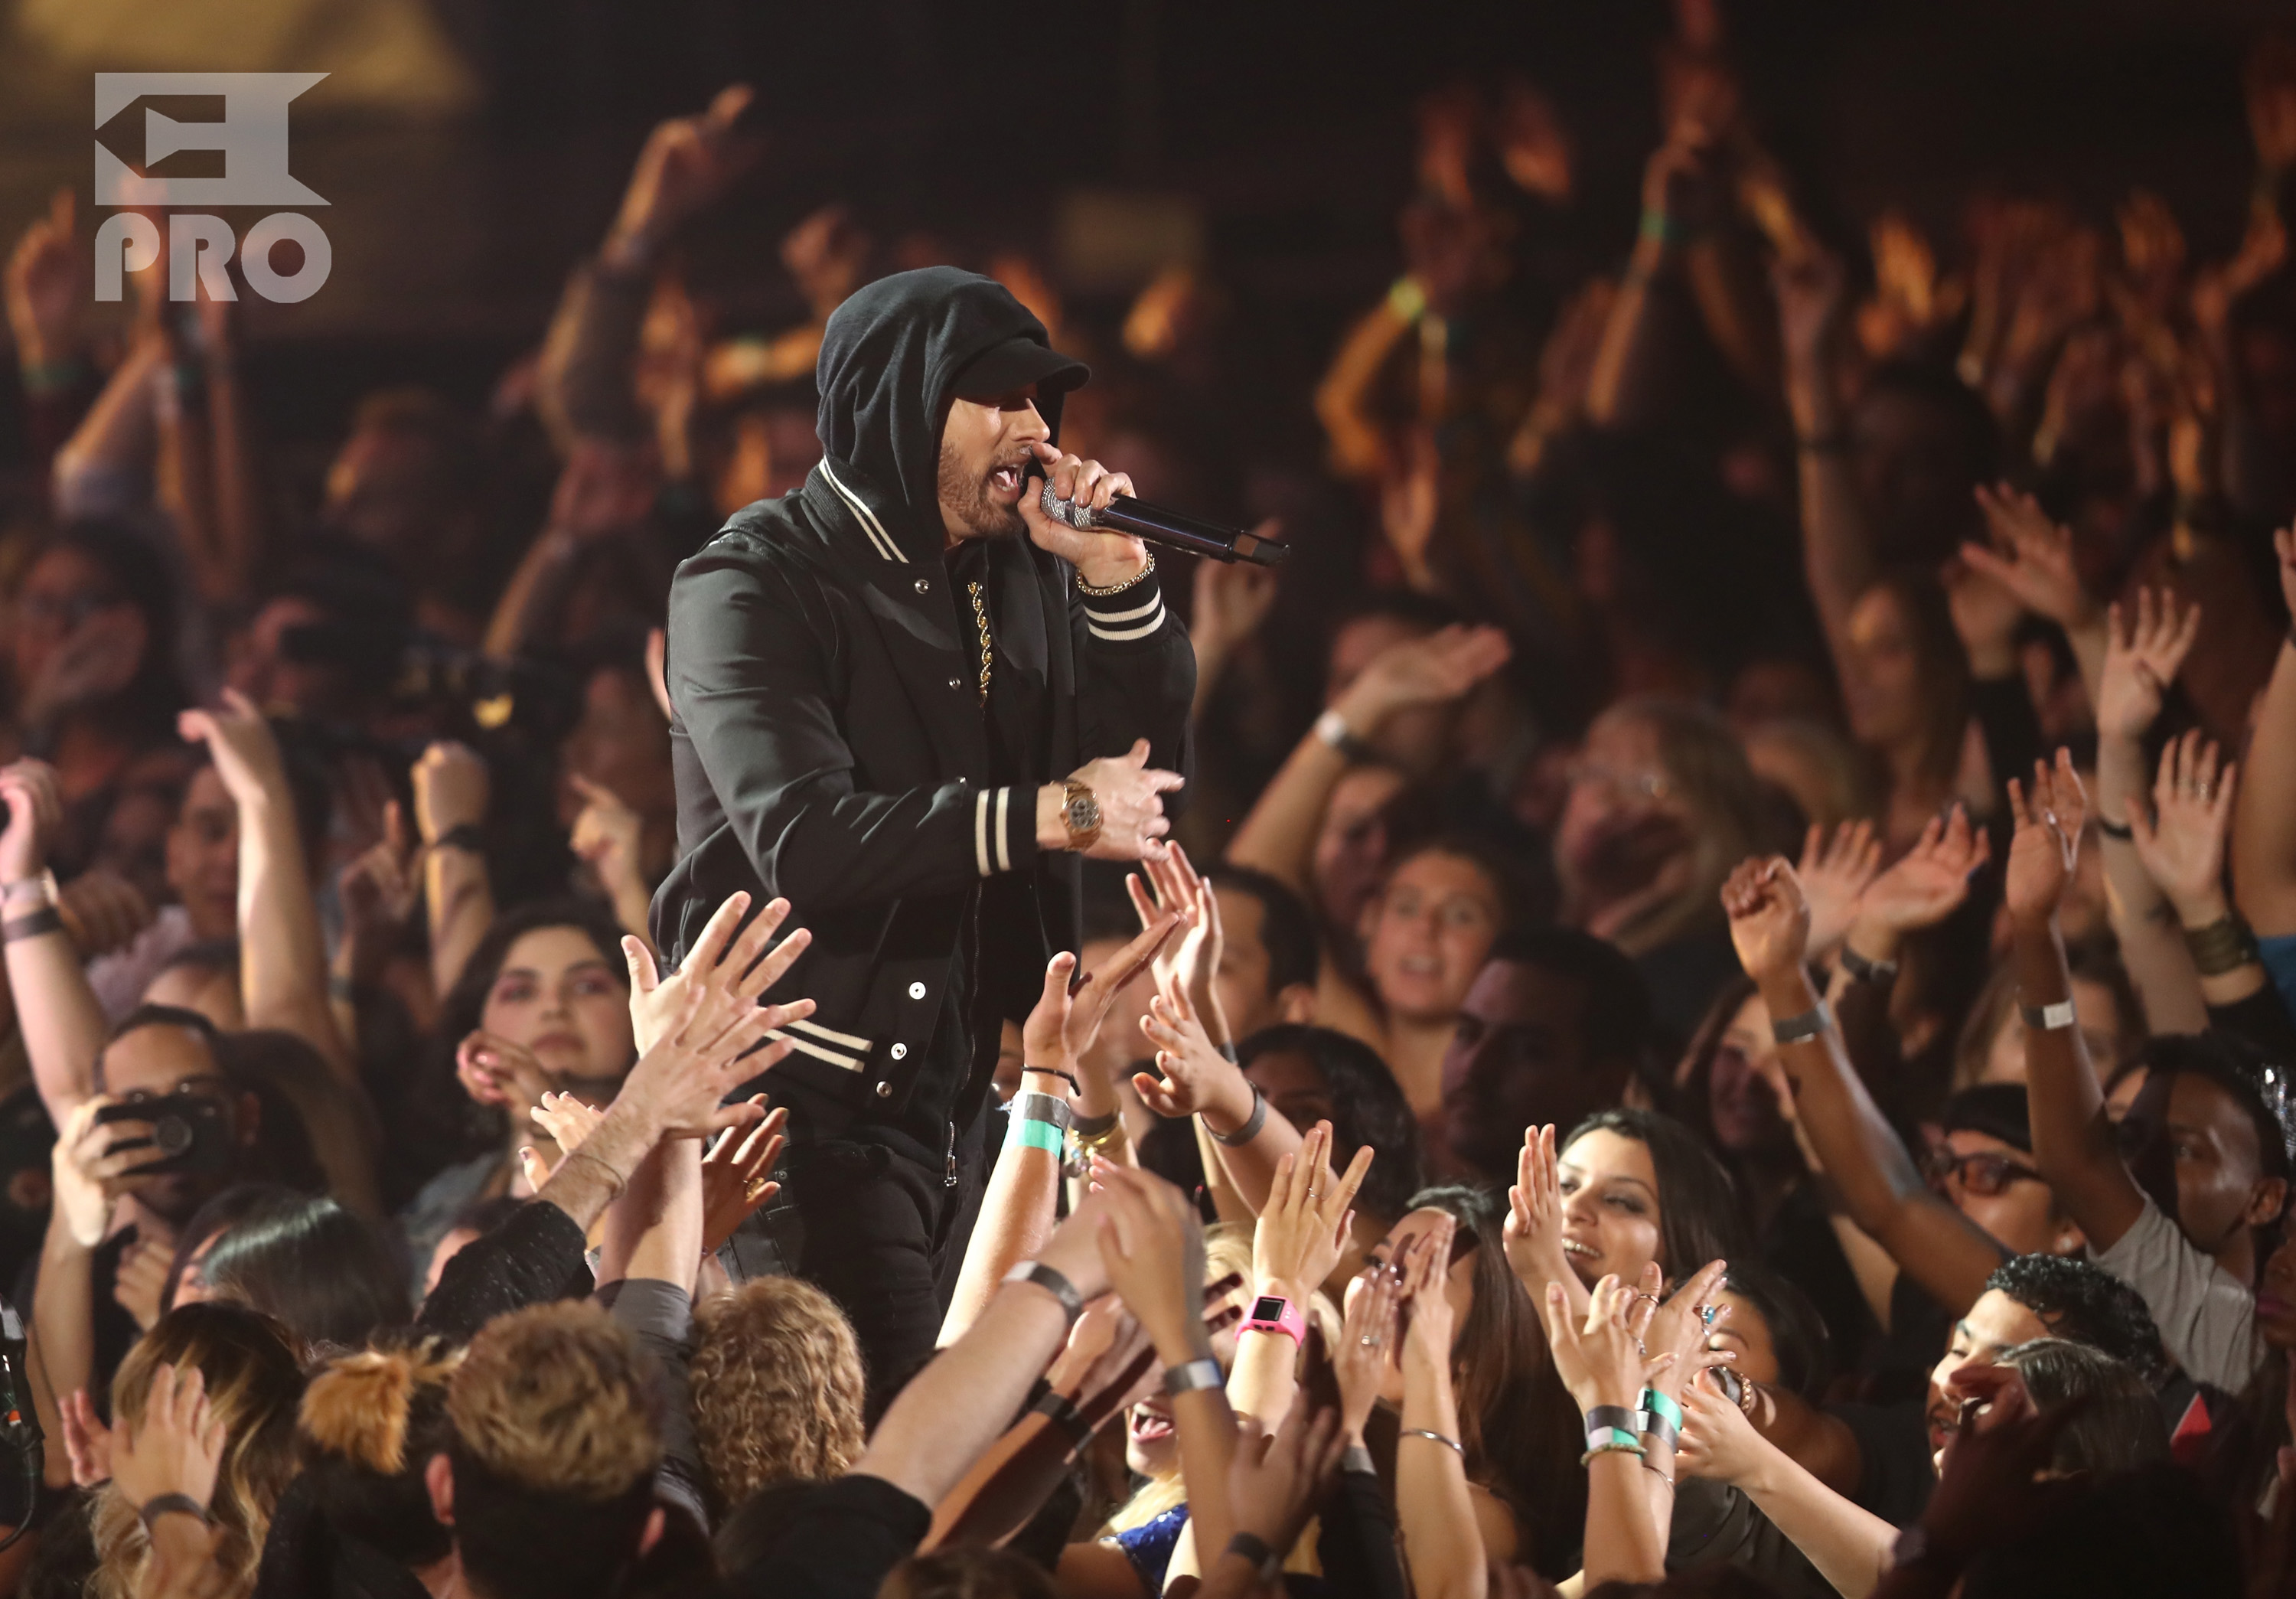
{"x":1173,"y":530}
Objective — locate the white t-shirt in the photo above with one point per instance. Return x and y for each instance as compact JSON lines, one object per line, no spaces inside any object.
{"x":2207,"y":1316}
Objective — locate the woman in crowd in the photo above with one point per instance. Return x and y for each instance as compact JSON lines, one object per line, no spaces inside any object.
{"x":249,"y":1372}
{"x":543,"y":1005}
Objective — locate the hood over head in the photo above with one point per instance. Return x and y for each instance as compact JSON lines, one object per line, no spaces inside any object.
{"x":891,"y":359}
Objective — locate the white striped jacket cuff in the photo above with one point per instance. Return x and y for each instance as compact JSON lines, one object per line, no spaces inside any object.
{"x":1128,"y":616}
{"x":1003,"y":829}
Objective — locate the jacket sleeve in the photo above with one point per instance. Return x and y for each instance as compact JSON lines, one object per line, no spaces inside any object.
{"x":750,"y":677}
{"x":1135,"y":676}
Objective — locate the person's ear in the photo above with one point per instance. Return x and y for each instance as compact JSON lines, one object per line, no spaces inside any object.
{"x":656,"y":1522}
{"x":438,"y":1477}
{"x":250,"y":1119}
{"x":2069,"y":1241}
{"x":2267,"y":1201}
{"x":1296,"y":1003}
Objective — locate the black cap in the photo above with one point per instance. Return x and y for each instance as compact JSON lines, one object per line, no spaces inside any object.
{"x":1015,"y":364}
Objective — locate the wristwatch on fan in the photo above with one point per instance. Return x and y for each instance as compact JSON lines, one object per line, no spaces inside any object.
{"x":1080,"y":814}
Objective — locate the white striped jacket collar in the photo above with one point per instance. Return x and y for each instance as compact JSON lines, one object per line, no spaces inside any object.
{"x":879,"y":540}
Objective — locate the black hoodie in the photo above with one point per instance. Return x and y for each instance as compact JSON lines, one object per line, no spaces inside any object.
{"x":828,"y":745}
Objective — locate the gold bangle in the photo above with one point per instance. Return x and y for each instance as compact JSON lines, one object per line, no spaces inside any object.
{"x":1089,"y":591}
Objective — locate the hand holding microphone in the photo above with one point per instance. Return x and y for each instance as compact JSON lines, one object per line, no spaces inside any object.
{"x":1089,"y":515}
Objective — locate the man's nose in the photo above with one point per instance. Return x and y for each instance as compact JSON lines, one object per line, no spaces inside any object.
{"x":1029,"y":426}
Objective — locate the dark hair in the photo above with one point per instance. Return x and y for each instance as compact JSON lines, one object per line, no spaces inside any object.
{"x":2151,"y":1531}
{"x":1509,"y":878}
{"x":976,"y":1571}
{"x":2120,"y":1426}
{"x":520,"y":1542}
{"x":163,"y":1015}
{"x":1287,"y":929}
{"x":1941,"y":666}
{"x":225,"y":1210}
{"x":464,"y":1004}
{"x":2082,"y":1302}
{"x":1997,"y":1110}
{"x":1698,"y":1216}
{"x":1521,"y":1429}
{"x":1798,"y":1334}
{"x":321,"y":1269}
{"x":1618,"y":1017}
{"x":1367,"y":1109}
{"x":2240,"y":1070}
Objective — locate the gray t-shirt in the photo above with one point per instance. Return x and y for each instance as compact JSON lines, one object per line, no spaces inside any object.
{"x":2207,"y":1316}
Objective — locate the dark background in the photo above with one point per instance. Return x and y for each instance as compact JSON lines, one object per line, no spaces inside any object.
{"x":1286,"y":123}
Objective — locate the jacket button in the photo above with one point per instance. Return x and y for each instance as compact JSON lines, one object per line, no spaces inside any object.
{"x":917,"y":990}
{"x":884,"y":1091}
{"x":956,"y":683}
{"x":900,"y":1052}
{"x":924,"y":586}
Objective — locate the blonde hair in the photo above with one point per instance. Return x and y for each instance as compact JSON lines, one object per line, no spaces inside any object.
{"x":778,"y":1386}
{"x":1704,"y":760}
{"x":556,"y":1398}
{"x":251,"y":1367}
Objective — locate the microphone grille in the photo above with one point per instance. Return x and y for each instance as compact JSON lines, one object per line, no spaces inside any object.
{"x":1066,"y":512}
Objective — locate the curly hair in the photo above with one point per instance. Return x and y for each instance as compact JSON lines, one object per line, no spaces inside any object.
{"x":778,"y":1386}
{"x":253,"y":1372}
{"x":2082,"y":1302}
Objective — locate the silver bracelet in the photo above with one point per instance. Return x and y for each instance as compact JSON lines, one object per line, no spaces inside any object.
{"x":1451,"y":1444}
{"x":1251,"y":1123}
{"x":1188,"y":1377}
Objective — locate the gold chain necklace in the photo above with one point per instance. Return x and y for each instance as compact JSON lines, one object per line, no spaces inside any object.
{"x":987,"y":651}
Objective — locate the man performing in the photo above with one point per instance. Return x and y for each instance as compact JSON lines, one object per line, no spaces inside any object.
{"x":898,"y":711}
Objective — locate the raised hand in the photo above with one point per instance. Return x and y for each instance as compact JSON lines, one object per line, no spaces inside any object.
{"x":2046,"y":844}
{"x":1305,"y":1224}
{"x":1719,"y":1440}
{"x":1130,"y":794}
{"x":1367,"y":1347}
{"x":1678,"y":1326}
{"x":735,"y":1184}
{"x":2182,"y":844}
{"x":1833,"y":874}
{"x":607,"y":835}
{"x":35,"y":812}
{"x":46,"y":286}
{"x":493,"y":1071}
{"x":450,"y":787}
{"x":1811,"y":293}
{"x":1151,"y":1248}
{"x":1274,"y":1482}
{"x":1189,"y":961}
{"x":1599,"y":1362}
{"x":87,"y":1441}
{"x":1197,"y":1079}
{"x":2143,"y":655}
{"x":1066,"y":1019}
{"x":681,"y":1081}
{"x":382,"y":887}
{"x":1769,"y":918}
{"x":1433,"y":670}
{"x":177,"y":1446}
{"x":103,"y":911}
{"x":1928,"y":884}
{"x":1425,"y":1300}
{"x":568,"y":1121}
{"x":687,"y":163}
{"x":1533,"y":1229}
{"x":730,"y":972}
{"x":2032,"y":556}
{"x":1232,"y":599}
{"x":246,"y":754}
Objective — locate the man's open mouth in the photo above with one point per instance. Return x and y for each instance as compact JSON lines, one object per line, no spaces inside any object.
{"x":1006,"y":479}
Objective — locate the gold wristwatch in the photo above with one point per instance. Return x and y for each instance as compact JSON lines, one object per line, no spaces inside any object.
{"x":1080,"y":814}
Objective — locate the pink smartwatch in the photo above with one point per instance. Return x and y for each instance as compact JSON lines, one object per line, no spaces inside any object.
{"x":1273,"y":1313}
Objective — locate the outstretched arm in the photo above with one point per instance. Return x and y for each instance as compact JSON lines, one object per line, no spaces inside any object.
{"x":1837,"y":546}
{"x":1849,"y":1545}
{"x":2074,"y":1143}
{"x":282,"y":959}
{"x":63,"y":1024}
{"x":1878,"y":1180}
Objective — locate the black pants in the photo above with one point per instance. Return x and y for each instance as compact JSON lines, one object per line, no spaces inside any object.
{"x":881,"y":1233}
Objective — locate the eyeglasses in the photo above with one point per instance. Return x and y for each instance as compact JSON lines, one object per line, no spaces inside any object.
{"x":1985,"y":1174}
{"x":1625,"y":786}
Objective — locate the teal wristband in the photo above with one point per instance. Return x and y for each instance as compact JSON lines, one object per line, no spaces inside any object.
{"x":1036,"y":1135}
{"x":1658,"y":1405}
{"x":1660,"y":228}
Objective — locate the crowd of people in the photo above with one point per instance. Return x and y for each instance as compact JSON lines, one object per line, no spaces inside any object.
{"x":1717,"y":1016}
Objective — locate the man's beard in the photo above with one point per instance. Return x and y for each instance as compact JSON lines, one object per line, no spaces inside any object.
{"x":966,"y":497}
